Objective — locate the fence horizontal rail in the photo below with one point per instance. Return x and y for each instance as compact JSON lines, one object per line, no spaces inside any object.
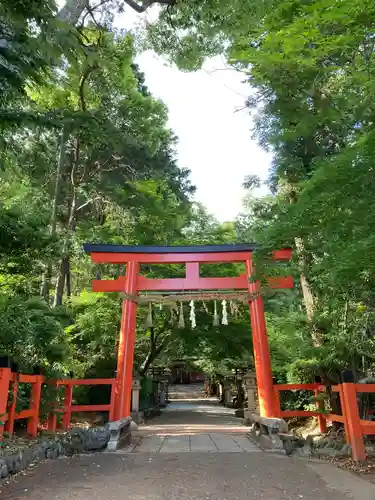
{"x":298,"y":387}
{"x":86,"y":381}
{"x":299,"y":413}
{"x":10,"y":382}
{"x":68,"y":406}
{"x":332,"y":417}
{"x":355,"y":428}
{"x":365,"y":387}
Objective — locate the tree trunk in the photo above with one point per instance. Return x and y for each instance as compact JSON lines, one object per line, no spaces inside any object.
{"x":65,"y":261}
{"x":61,"y":279}
{"x":68,"y":280}
{"x":308,"y":296}
{"x":46,"y":283}
{"x":72,"y":11}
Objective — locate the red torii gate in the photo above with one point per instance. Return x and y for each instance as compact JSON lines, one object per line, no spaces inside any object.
{"x":192,"y":257}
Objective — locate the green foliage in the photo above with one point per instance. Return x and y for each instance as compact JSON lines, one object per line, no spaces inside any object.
{"x":33,"y":335}
{"x":87,"y":156}
{"x":311,"y":71}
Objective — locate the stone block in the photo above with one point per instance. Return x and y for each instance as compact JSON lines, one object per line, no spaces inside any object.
{"x":272,"y":424}
{"x":137,"y":418}
{"x":120,"y":433}
{"x":3,"y":469}
{"x":97,"y":438}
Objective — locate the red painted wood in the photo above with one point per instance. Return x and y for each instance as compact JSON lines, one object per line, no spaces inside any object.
{"x":112,"y":404}
{"x":24,"y":414}
{"x":181,"y":284}
{"x":132,"y":283}
{"x":353,"y":422}
{"x":332,"y":417}
{"x":368,"y":427}
{"x":298,"y":387}
{"x":52,"y":417}
{"x":192,"y":270}
{"x":277,"y":404}
{"x":180,"y":258}
{"x":321,"y":417}
{"x":168,"y":258}
{"x":32,"y":424}
{"x":27,"y":379}
{"x":192,"y":282}
{"x":281,"y":282}
{"x":117,"y":285}
{"x":84,"y":408}
{"x":284,"y":254}
{"x":87,"y":381}
{"x":262,"y":357}
{"x":298,"y":413}
{"x":126,"y":345}
{"x":5,"y":378}
{"x":9,"y":425}
{"x":365,"y":387}
{"x":68,"y":398}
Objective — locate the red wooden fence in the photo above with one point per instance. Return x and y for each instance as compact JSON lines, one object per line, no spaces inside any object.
{"x":355,"y":428}
{"x":9,"y":385}
{"x":69,"y":408}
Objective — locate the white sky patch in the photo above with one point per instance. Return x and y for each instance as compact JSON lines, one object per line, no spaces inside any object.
{"x":214,"y":137}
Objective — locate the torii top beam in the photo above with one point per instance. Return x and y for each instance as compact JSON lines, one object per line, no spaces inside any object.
{"x":192,"y":256}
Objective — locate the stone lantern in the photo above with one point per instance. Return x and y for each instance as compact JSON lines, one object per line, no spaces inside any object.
{"x":251,"y":392}
{"x":136,"y":387}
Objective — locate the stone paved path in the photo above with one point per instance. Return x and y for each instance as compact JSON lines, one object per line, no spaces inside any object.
{"x":221,"y":465}
{"x":193,"y":426}
{"x":214,"y":442}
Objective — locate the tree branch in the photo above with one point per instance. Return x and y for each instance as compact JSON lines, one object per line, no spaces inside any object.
{"x":82,"y":82}
{"x":147,"y":3}
{"x":73,"y":9}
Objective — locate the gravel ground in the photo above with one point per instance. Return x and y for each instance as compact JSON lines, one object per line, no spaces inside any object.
{"x":207,"y":476}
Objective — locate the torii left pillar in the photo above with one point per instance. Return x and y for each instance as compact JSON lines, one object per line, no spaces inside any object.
{"x":126,"y":345}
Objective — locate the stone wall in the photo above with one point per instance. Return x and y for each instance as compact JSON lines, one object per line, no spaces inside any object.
{"x":76,"y":441}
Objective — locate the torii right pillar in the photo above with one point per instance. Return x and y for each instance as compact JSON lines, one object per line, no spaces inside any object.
{"x":262,"y":358}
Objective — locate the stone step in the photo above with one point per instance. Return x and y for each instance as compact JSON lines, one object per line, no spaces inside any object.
{"x":200,"y":443}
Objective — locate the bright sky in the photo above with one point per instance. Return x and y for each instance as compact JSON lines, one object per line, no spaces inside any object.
{"x":214,"y":134}
{"x":214,"y":137}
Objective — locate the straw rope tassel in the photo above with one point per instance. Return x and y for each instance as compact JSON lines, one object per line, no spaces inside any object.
{"x":192,"y":314}
{"x":181,"y":320}
{"x":216,"y":321}
{"x":148,"y":321}
{"x":224,"y":319}
{"x":231,"y":307}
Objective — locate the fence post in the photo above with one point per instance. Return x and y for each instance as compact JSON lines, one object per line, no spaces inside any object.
{"x":5,"y":378}
{"x":277,"y":402}
{"x":351,"y":414}
{"x":9,"y":424}
{"x":322,"y":421}
{"x":341,"y":395}
{"x":52,"y":417}
{"x":67,"y":406}
{"x":111,"y":416}
{"x":32,"y":424}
